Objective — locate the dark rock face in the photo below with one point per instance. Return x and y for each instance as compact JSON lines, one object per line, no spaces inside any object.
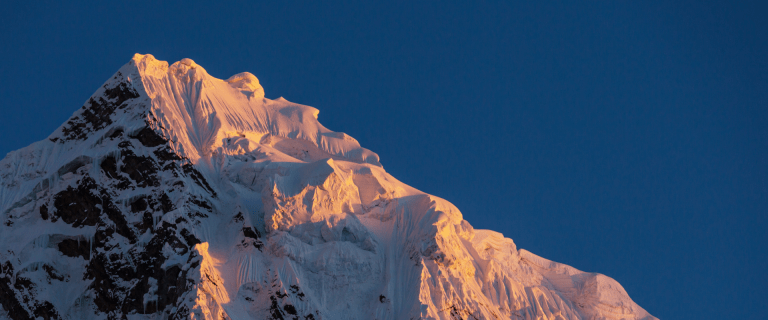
{"x":97,"y":113}
{"x":198,"y":178}
{"x":126,"y":259}
{"x":140,"y":169}
{"x":78,"y":206}
{"x":8,"y":297}
{"x":18,"y":294}
{"x":110,"y":274}
{"x":75,"y":248}
{"x":44,"y":212}
{"x":121,"y":281}
{"x":149,"y":138}
{"x":251,"y":237}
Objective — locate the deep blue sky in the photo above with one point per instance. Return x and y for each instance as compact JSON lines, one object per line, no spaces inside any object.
{"x":628,"y":138}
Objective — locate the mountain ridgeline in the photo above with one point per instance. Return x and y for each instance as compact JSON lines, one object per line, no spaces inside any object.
{"x":175,"y":195}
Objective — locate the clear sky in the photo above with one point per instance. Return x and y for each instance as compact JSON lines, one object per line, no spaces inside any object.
{"x":628,"y":138}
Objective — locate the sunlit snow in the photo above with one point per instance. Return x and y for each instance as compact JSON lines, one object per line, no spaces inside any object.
{"x":172,"y":194}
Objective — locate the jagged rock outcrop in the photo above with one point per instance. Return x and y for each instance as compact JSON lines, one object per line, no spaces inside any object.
{"x":172,"y":194}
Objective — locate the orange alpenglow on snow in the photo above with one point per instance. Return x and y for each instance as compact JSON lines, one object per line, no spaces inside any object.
{"x":174,"y":194}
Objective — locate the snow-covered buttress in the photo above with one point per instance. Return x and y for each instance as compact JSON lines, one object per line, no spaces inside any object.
{"x":175,"y":195}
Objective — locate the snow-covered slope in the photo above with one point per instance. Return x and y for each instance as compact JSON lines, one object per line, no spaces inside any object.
{"x":172,"y":194}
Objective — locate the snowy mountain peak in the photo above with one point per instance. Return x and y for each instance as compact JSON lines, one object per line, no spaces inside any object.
{"x":148,"y":65}
{"x":175,"y":195}
{"x":197,"y":113}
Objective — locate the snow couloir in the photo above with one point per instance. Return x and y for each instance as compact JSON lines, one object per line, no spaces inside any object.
{"x":172,"y":195}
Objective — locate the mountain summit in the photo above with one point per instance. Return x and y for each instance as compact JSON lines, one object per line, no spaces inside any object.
{"x":172,"y":195}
